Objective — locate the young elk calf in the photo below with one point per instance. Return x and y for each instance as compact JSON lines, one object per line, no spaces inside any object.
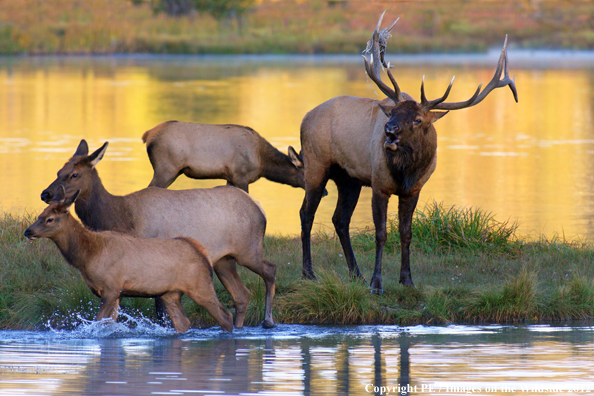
{"x":116,"y":265}
{"x":235,"y":153}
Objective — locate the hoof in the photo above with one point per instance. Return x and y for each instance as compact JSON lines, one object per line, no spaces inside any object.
{"x":309,"y":275}
{"x":356,"y":274}
{"x":376,"y":286}
{"x":267,"y":324}
{"x":407,"y":282}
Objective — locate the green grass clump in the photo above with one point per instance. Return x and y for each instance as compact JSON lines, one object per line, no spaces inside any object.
{"x":331,"y":300}
{"x":517,"y":300}
{"x":436,"y":228}
{"x":467,"y":266}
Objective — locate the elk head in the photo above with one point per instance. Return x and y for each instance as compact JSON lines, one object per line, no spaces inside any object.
{"x":76,"y":173}
{"x":408,"y":121}
{"x":50,"y":221}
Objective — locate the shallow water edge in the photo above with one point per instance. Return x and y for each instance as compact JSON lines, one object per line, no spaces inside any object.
{"x":301,"y":360}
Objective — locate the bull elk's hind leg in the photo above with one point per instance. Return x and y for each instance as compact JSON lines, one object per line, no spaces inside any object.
{"x":348,"y":195}
{"x":315,"y":186}
{"x":379,"y":205}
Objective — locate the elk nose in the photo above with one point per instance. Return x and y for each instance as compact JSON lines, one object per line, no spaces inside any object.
{"x":28,"y":233}
{"x":392,"y":128}
{"x":46,"y":196}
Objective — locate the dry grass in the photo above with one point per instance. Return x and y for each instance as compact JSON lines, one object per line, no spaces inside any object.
{"x":290,"y":26}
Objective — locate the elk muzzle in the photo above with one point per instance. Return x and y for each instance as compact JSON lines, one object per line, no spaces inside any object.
{"x":46,"y":196}
{"x":393,"y":131}
{"x":29,"y":234}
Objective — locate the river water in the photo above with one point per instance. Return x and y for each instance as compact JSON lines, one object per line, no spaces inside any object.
{"x":100,"y":359}
{"x":531,"y":162}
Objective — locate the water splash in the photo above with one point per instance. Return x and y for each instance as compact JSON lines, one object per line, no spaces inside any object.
{"x":127,"y":326}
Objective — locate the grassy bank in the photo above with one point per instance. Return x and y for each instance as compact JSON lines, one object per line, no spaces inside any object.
{"x":468,"y":268}
{"x":292,"y":26}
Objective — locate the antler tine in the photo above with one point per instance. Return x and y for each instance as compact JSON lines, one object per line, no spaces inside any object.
{"x":430,"y":104}
{"x":379,"y":24}
{"x":377,"y":46}
{"x":496,"y":82}
{"x":394,"y":95}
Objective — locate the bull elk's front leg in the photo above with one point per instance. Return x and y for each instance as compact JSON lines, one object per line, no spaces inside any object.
{"x":406,"y":209}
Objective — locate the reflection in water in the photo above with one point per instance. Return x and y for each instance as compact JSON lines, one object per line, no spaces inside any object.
{"x":531,"y":161}
{"x":302,"y":360}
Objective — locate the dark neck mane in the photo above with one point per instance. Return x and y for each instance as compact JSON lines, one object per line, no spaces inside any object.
{"x":407,"y":166}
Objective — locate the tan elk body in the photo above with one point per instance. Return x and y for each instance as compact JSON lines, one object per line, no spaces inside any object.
{"x":226,"y":220}
{"x":234,"y":153}
{"x":116,"y":265}
{"x":389,"y":145}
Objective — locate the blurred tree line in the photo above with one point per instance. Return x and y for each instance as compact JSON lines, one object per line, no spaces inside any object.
{"x":219,"y":9}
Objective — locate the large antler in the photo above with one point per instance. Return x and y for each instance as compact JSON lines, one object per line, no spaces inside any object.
{"x":496,"y":82}
{"x":377,"y":47}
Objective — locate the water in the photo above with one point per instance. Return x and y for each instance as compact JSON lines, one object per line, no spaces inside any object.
{"x":299,"y":360}
{"x":531,"y":162}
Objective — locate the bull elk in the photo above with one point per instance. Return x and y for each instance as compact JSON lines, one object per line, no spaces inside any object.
{"x":225,"y":219}
{"x":235,"y":153}
{"x":387,"y":144}
{"x":116,"y":265}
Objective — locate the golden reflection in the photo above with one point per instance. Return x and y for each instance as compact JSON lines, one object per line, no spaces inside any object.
{"x":530,"y":161}
{"x":450,"y":360}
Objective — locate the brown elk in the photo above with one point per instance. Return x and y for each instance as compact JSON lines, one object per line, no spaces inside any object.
{"x":116,"y":265}
{"x":225,"y":219}
{"x":387,"y":144}
{"x":235,"y":153}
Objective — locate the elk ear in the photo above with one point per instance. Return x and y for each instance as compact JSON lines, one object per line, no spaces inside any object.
{"x":83,"y":148}
{"x":296,"y":159}
{"x":436,"y":115}
{"x":69,"y":201}
{"x":98,"y":155}
{"x":387,"y":111}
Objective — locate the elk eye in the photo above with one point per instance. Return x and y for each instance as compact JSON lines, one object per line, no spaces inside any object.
{"x":49,"y":220}
{"x":74,"y":176}
{"x":417,"y":121}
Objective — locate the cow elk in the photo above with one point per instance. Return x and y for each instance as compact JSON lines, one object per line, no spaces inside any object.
{"x":235,"y":153}
{"x":225,"y":219}
{"x":387,"y":144}
{"x":116,"y":265}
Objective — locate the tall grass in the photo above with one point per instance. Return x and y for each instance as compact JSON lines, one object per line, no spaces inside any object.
{"x":468,"y":267}
{"x":436,"y":228}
